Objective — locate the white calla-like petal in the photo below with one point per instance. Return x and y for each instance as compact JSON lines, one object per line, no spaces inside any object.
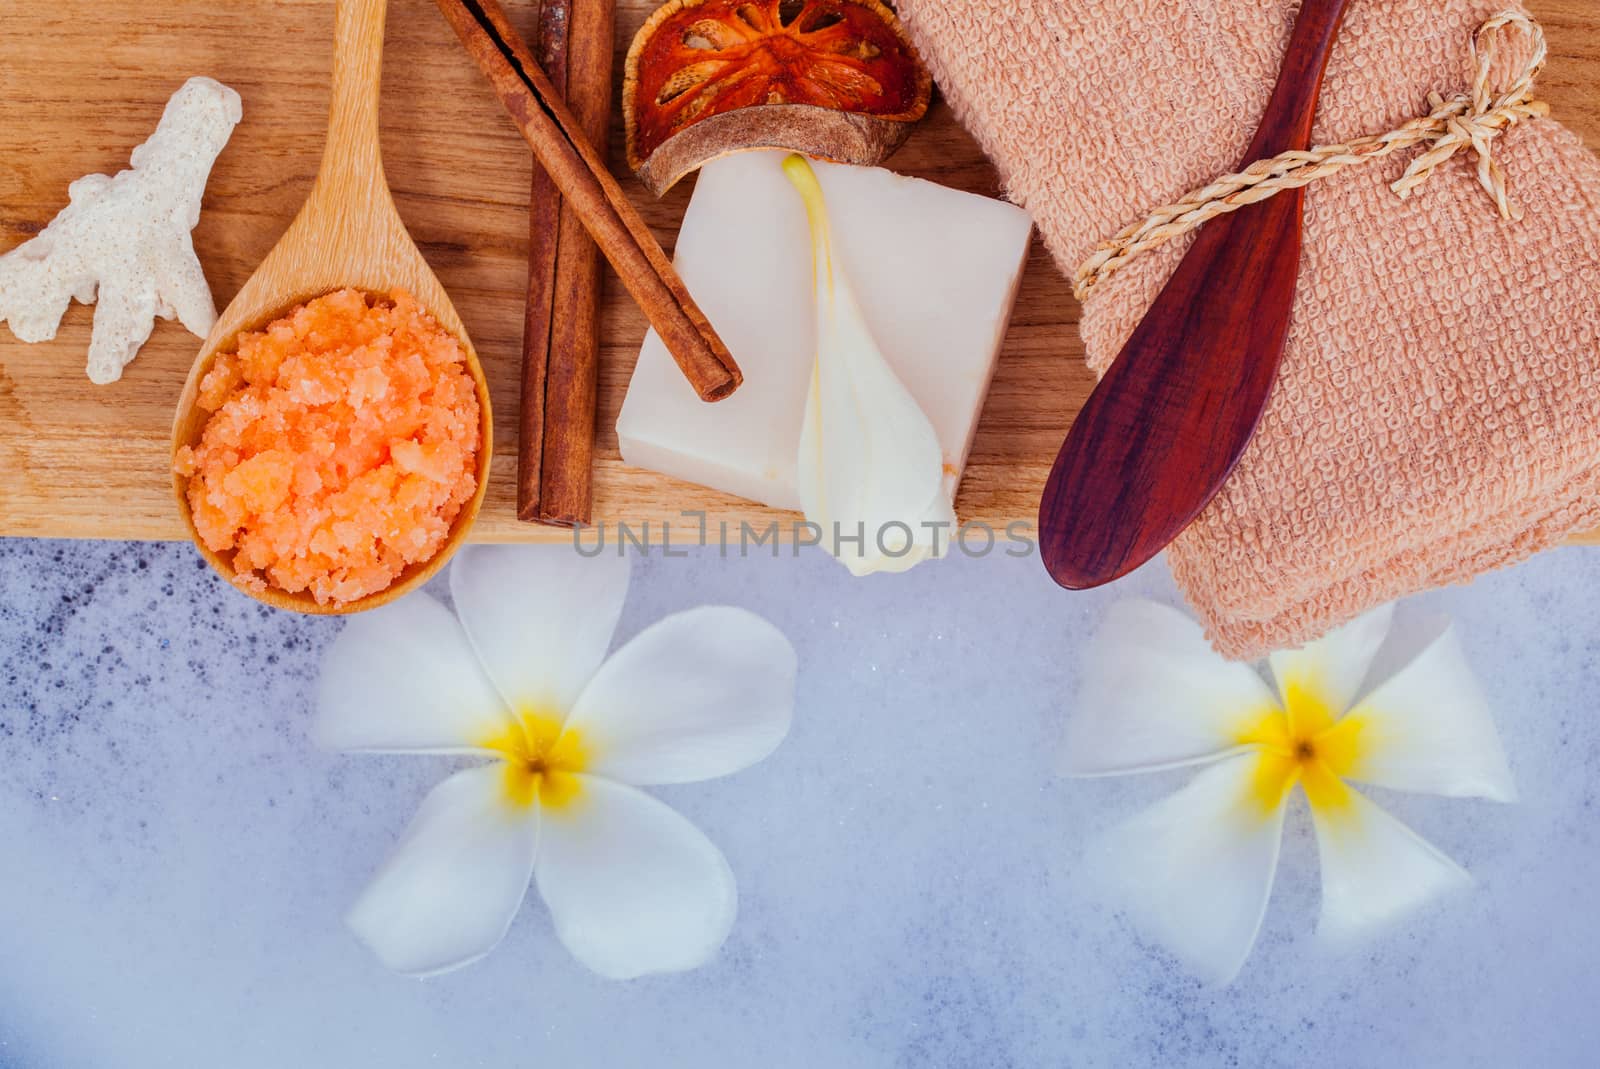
{"x":1428,"y":729}
{"x":1375,"y":869}
{"x":404,"y":679}
{"x":1195,"y":870}
{"x":633,"y":887}
{"x":1156,"y":695}
{"x":870,"y":468}
{"x":697,"y":695}
{"x":453,"y":885}
{"x":1333,"y":667}
{"x":541,"y":617}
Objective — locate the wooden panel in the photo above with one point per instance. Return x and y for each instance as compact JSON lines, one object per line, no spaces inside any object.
{"x":83,"y":81}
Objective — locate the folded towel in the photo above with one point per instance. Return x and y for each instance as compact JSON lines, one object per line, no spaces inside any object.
{"x":1438,"y":411}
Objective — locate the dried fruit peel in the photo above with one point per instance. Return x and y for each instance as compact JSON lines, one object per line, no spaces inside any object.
{"x":837,"y":79}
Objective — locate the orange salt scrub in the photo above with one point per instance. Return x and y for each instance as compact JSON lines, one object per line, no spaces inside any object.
{"x":341,"y":446}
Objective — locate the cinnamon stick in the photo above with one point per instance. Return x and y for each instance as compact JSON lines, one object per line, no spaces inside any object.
{"x":558,"y":141}
{"x":561,"y":337}
{"x":544,"y":227}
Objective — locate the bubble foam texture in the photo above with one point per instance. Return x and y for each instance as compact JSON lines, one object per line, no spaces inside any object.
{"x":912,"y":876}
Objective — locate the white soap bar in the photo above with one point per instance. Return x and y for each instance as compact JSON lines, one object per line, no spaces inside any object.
{"x":936,"y":271}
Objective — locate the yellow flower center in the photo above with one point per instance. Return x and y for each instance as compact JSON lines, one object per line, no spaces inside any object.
{"x":541,"y":760}
{"x":1303,"y":743}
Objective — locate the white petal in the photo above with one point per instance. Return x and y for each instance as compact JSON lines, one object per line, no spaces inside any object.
{"x":449,"y":892}
{"x":404,"y":679}
{"x":1375,"y":869}
{"x":1428,"y":729}
{"x":1155,"y":695}
{"x":633,"y":887}
{"x":1333,"y":667}
{"x":870,"y":470}
{"x":1195,"y":871}
{"x":540,"y":617}
{"x":700,"y":694}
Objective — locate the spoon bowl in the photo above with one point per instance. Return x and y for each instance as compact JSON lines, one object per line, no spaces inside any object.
{"x":348,"y":234}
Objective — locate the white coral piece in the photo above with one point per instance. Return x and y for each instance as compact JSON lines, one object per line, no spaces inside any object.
{"x":124,"y":242}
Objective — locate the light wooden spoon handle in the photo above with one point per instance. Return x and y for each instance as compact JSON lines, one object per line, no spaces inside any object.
{"x":353,"y":156}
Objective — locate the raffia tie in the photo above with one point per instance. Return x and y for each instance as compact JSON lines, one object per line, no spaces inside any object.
{"x":1465,"y":121}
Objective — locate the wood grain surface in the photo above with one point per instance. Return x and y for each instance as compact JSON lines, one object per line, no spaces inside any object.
{"x":84,"y":81}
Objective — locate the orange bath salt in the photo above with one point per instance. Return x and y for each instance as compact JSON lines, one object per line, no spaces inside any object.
{"x":342,"y":444}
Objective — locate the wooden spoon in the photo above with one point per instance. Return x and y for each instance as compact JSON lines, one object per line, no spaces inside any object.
{"x":348,"y":234}
{"x":1170,"y":420}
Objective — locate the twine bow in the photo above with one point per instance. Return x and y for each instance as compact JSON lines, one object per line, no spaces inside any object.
{"x":1467,"y":121}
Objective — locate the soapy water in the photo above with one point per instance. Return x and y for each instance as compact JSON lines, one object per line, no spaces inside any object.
{"x":915,"y":887}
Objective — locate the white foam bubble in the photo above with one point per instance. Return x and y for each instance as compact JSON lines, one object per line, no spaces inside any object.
{"x":177,"y":857}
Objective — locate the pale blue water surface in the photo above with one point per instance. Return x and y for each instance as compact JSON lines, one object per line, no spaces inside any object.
{"x":914,"y":890}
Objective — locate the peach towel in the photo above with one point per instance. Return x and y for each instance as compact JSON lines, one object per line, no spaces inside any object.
{"x":1438,"y":413}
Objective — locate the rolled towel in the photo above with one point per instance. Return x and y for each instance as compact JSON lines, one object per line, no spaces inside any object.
{"x":1438,"y":410}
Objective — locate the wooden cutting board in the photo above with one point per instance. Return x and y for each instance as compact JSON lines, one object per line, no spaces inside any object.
{"x":84,"y":81}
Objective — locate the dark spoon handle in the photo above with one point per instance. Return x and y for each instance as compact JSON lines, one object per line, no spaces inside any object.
{"x":1286,"y":124}
{"x":1170,"y":420}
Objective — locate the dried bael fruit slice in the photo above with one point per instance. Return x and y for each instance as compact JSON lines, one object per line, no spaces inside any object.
{"x":837,"y":79}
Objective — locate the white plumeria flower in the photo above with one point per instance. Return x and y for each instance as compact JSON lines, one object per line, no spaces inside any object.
{"x":1197,"y":868}
{"x":870,"y":471}
{"x":522,"y":677}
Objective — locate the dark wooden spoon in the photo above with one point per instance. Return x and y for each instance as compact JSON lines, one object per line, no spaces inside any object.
{"x":1168,"y":423}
